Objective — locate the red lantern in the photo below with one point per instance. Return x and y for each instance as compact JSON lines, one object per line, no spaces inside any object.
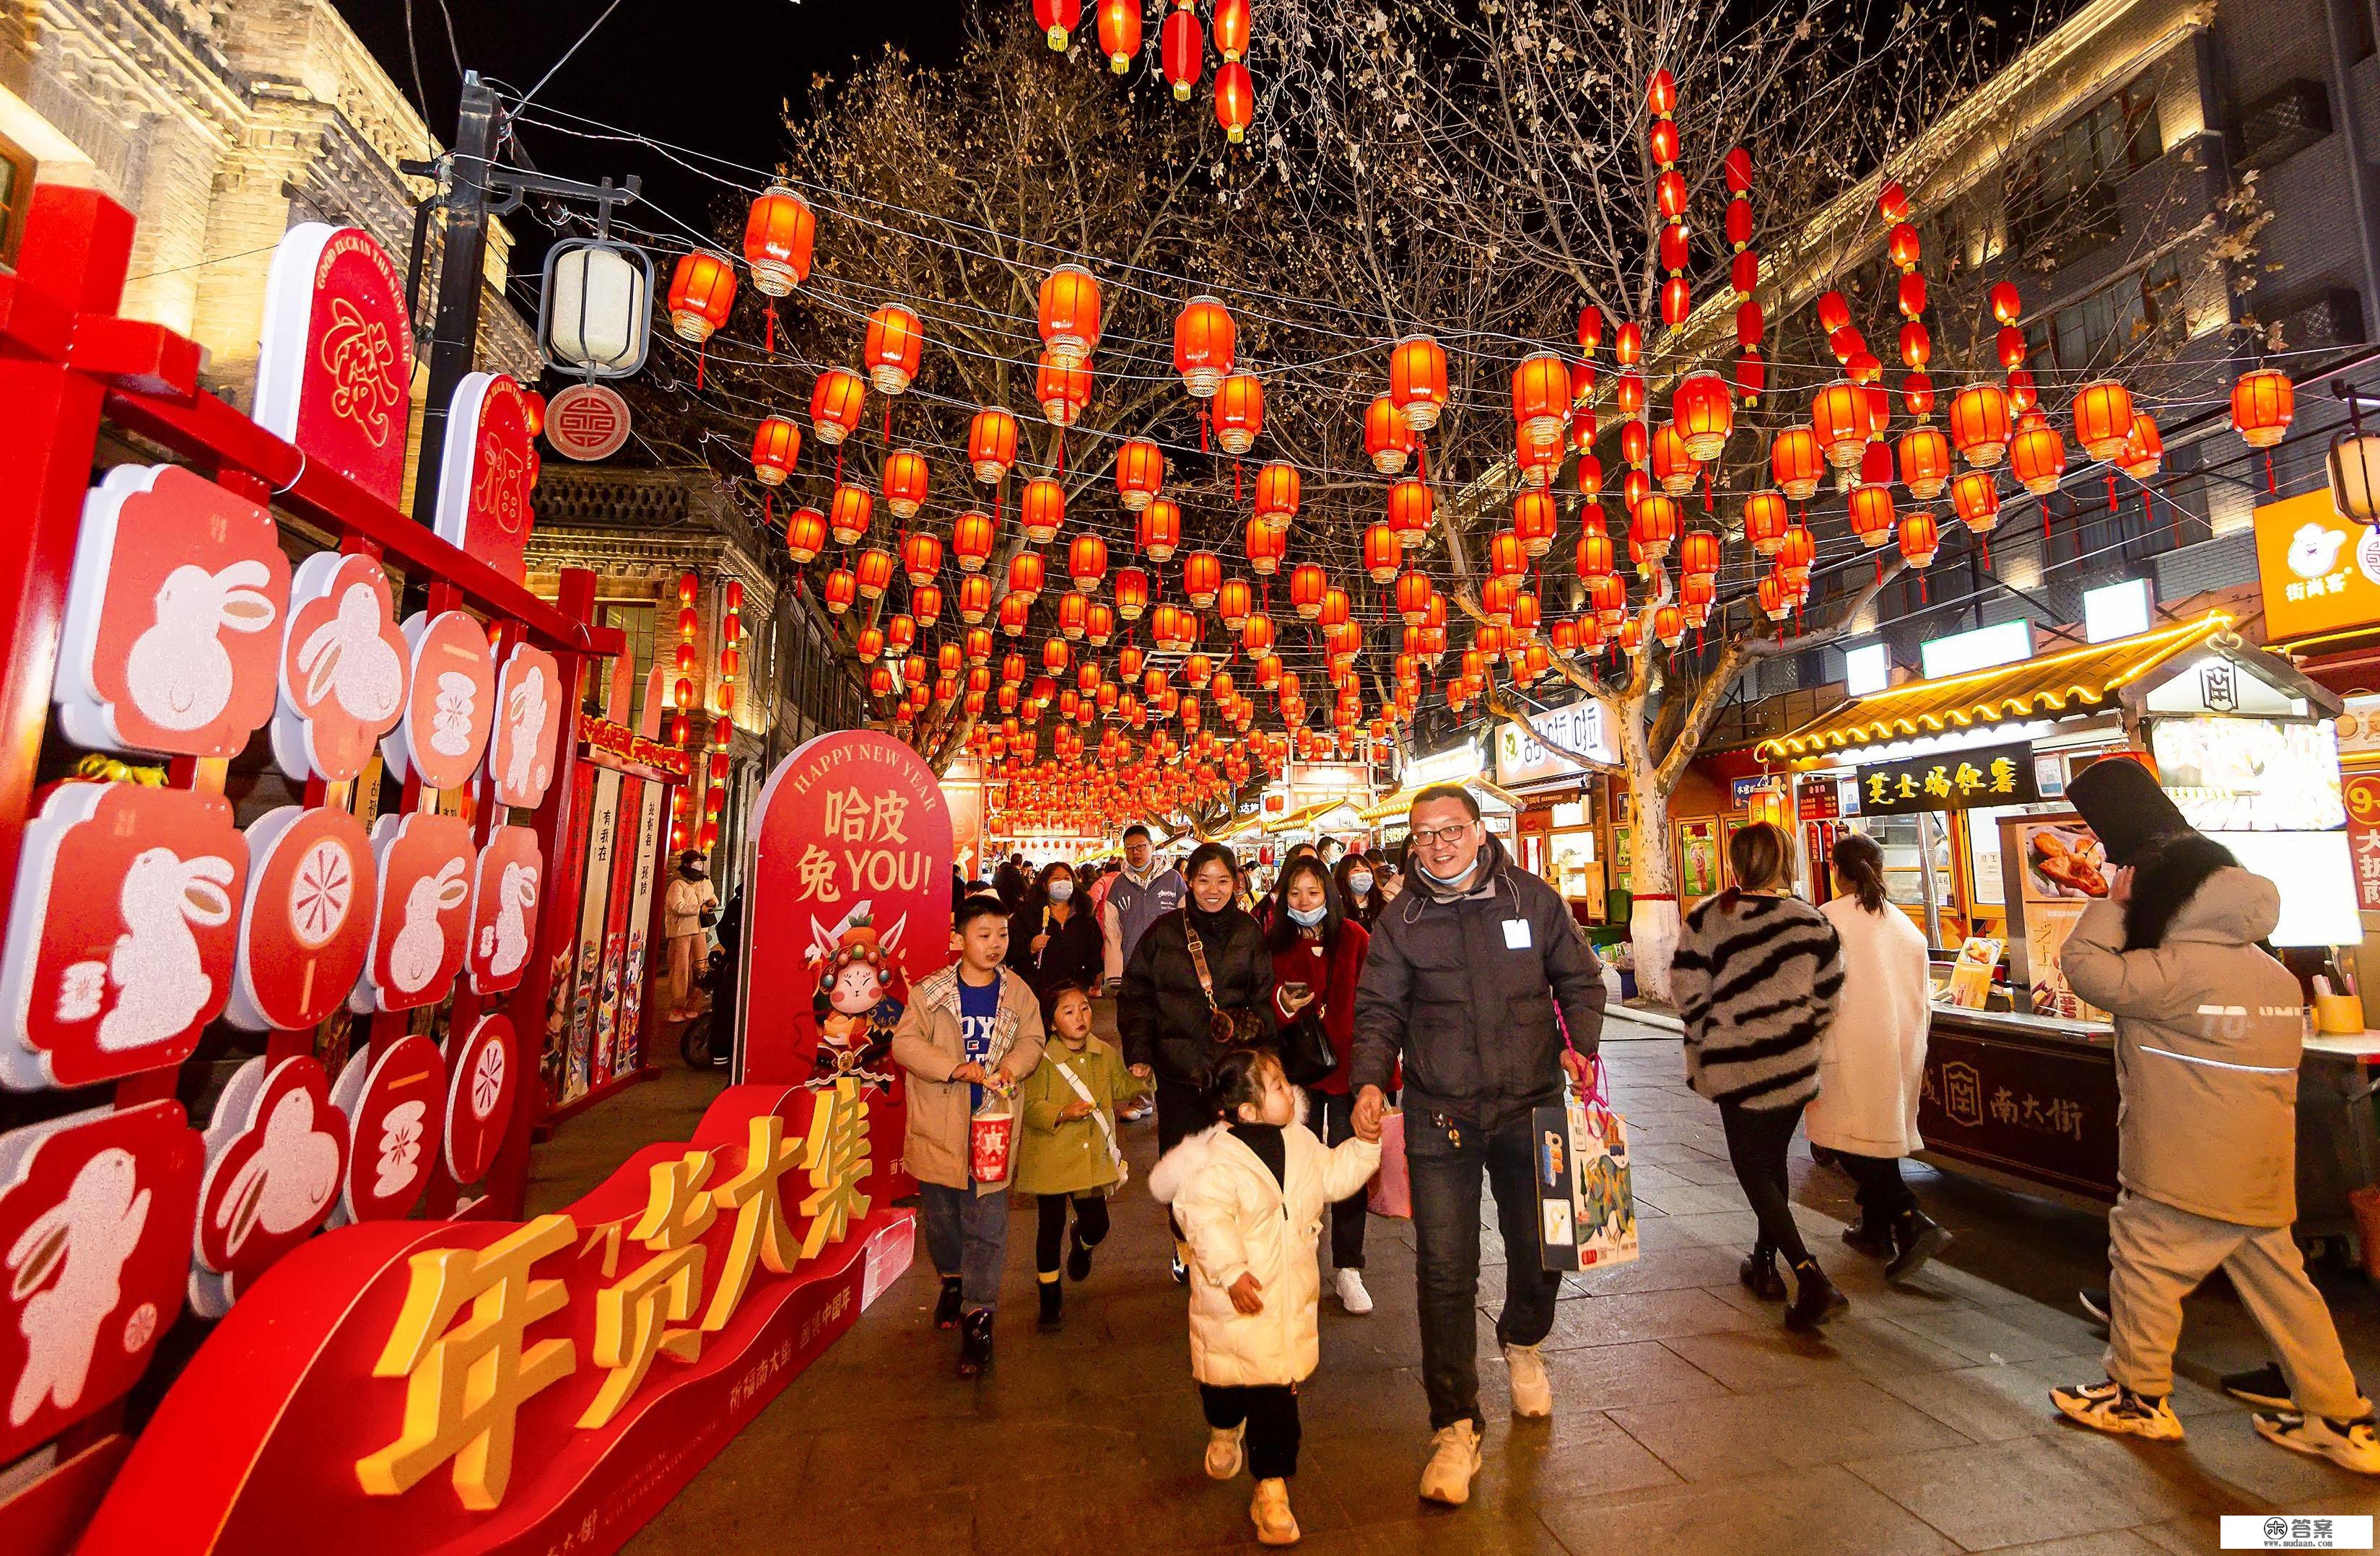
{"x":1541,"y":396}
{"x":1042,"y":511}
{"x":1279,"y":492}
{"x":1234,"y":603}
{"x":875,"y":573}
{"x":1139,"y":473}
{"x":777,"y":235}
{"x":1161,"y":528}
{"x":1202,"y":575}
{"x":1414,"y":594}
{"x":849,"y":514}
{"x":2263,"y":404}
{"x":1025,"y":574}
{"x":921,"y":557}
{"x":1131,"y":593}
{"x":1411,"y":509}
{"x":971,"y":540}
{"x":701,"y":293}
{"x":991,"y":445}
{"x":1333,"y":611}
{"x":896,"y":338}
{"x":1841,"y":417}
{"x":1917,"y":394}
{"x":1181,"y":53}
{"x":1057,"y":20}
{"x":1417,"y":381}
{"x":904,"y":482}
{"x":1870,"y":515}
{"x":1902,"y":247}
{"x":1668,"y":625}
{"x":926,"y":603}
{"x":2103,"y":418}
{"x":1766,"y":518}
{"x":1235,"y":97}
{"x":1086,"y":561}
{"x":1979,"y":424}
{"x":806,"y":534}
{"x":974,"y":598}
{"x":1921,"y":537}
{"x":1119,"y":32}
{"x":1796,"y":557}
{"x":1798,"y":462}
{"x":1699,"y":554}
{"x":2006,"y":307}
{"x":1306,"y":583}
{"x":1533,"y":522}
{"x":2038,"y":458}
{"x":1385,"y":438}
{"x":1062,"y":388}
{"x":838,"y":589}
{"x":836,"y":403}
{"x":1239,"y":413}
{"x":1925,"y":463}
{"x":2143,"y":452}
{"x":776,"y":442}
{"x":1704,"y":413}
{"x":1266,"y":546}
{"x":1976,"y":498}
{"x":1204,"y":339}
{"x":1673,"y":467}
{"x":1654,"y":525}
{"x":1070,"y":312}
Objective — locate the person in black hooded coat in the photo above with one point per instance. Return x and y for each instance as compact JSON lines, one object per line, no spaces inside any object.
{"x":1163,"y":1014}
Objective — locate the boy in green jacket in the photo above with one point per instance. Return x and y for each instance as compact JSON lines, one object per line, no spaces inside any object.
{"x":1069,"y":1152}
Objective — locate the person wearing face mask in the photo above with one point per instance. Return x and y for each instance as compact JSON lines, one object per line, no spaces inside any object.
{"x":1359,"y":897}
{"x":1318,"y":954}
{"x":1053,"y":938}
{"x":688,"y":909}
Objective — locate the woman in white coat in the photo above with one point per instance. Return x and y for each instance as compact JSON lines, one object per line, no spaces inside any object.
{"x":1250,"y":1194}
{"x":1872,"y":1061}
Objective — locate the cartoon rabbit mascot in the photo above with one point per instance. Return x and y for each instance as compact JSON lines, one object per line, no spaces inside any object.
{"x":854,"y":1005}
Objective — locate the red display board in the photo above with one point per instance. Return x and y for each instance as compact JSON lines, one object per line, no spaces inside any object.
{"x":852,"y":823}
{"x":486,"y":471}
{"x":493,"y":1386}
{"x":334,"y":367}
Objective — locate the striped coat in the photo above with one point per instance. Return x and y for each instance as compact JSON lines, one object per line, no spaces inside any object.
{"x":1755,"y":979}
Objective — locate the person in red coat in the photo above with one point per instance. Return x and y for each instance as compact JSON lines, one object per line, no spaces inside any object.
{"x":1318,"y":954}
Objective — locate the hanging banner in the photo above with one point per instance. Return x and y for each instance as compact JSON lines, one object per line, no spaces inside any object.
{"x":633,"y":975}
{"x":853,"y":834}
{"x":587,"y":972}
{"x":2362,"y":795}
{"x":1949,"y":780}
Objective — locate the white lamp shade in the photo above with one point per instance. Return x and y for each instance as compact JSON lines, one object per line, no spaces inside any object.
{"x":597,"y":308}
{"x":2355,"y":475}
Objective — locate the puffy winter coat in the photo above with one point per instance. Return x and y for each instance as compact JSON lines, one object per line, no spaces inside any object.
{"x":928,"y":1043}
{"x":1071,"y":956}
{"x":1464,"y":990}
{"x":1755,"y":979}
{"x":1871,"y":1056}
{"x":1163,"y":1015}
{"x":2209,"y":1032}
{"x":1239,"y":1221}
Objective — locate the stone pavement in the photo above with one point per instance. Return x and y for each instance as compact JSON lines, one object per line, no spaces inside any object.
{"x":1686,"y":1419}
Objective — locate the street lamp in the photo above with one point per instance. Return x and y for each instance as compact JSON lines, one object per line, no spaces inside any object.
{"x":595,"y":312}
{"x":2355,"y":466}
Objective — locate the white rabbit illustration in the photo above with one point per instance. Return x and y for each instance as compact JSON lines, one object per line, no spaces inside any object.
{"x":421,"y":945}
{"x":71,"y":1261}
{"x":527,"y":709}
{"x":348,"y":657}
{"x":288,"y":1182}
{"x":450,"y":720}
{"x":507,"y":938}
{"x":161,"y":983}
{"x":179,"y":673}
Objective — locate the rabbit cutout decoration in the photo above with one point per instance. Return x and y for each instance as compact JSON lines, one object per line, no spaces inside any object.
{"x":527,"y":709}
{"x":181,"y":676}
{"x":285,"y":1185}
{"x":504,"y":944}
{"x":346,"y":659}
{"x":420,"y":944}
{"x":162,"y":982}
{"x":100,"y":1222}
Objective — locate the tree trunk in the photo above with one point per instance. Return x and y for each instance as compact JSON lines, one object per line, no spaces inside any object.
{"x":1652,"y":881}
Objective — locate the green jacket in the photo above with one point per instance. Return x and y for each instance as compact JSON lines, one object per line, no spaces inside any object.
{"x":1070,"y":1157}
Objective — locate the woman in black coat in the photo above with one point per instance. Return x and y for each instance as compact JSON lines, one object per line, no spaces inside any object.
{"x":1054,"y":937}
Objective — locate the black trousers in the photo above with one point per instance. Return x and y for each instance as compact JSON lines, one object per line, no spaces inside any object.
{"x":1049,"y":1241}
{"x":1271,"y":1411}
{"x":1756,"y":1142}
{"x":1447,"y":1158}
{"x":1180,"y":1115}
{"x":1883,"y":1197}
{"x":1332,"y":1119}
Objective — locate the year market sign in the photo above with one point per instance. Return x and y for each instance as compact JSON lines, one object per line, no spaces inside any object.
{"x":1949,"y":780}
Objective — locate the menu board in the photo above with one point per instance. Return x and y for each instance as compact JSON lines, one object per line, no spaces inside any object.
{"x":1950,"y":780}
{"x":2250,"y":775}
{"x":2055,"y":867}
{"x":1971,"y":975}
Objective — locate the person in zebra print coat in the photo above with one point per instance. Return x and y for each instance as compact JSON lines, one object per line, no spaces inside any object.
{"x":1756,"y":975}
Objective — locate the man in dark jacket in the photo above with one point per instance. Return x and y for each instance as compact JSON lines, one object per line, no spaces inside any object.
{"x":1467,"y":970}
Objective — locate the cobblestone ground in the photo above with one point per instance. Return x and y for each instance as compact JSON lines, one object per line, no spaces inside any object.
{"x":1686,"y":1419}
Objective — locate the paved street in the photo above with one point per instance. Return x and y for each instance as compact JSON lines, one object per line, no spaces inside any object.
{"x":1687,"y":1420}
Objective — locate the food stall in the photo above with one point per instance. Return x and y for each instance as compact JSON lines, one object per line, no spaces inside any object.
{"x":2025,"y":1084}
{"x":1556,"y":835}
{"x":1464,"y":763}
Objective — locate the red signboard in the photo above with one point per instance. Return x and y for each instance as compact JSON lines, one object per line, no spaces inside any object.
{"x":343,"y":668}
{"x":173,"y":622}
{"x":531,"y":1387}
{"x":335,"y":364}
{"x":586,"y":422}
{"x":120,"y":931}
{"x":95,"y":1212}
{"x":2361,"y":792}
{"x":276,"y":1151}
{"x":486,"y":471}
{"x":632,"y":751}
{"x":851,"y":826}
{"x":306,"y":926}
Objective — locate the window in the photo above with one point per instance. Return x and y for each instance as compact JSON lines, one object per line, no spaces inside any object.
{"x":2056,"y":187}
{"x":2101,"y":329}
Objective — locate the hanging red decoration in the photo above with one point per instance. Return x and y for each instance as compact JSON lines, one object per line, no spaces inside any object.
{"x":1411,"y":510}
{"x":1278,"y":491}
{"x":1025,"y":574}
{"x":701,"y":293}
{"x":806,"y":534}
{"x":1869,"y":512}
{"x":1086,"y":561}
{"x":1235,"y":100}
{"x":2103,"y":418}
{"x":1975,"y":497}
{"x":1921,"y":538}
{"x":1925,"y":463}
{"x":1130,"y":596}
{"x":1979,"y":424}
{"x":1161,"y":528}
{"x":1385,"y":438}
{"x":2038,"y":458}
{"x":1139,"y":473}
{"x":2263,"y":405}
{"x":1541,"y":395}
{"x":904,"y":482}
{"x":778,"y":231}
{"x":874,"y":571}
{"x":1119,"y":28}
{"x":1181,"y":53}
{"x":849,"y":512}
{"x":1704,"y":414}
{"x":972,"y":539}
{"x":1042,"y":511}
{"x":1306,"y":583}
{"x":895,"y":341}
{"x":776,"y":442}
{"x":1417,"y":381}
{"x":921,"y":557}
{"x":1266,"y":546}
{"x":1239,"y":413}
{"x":836,"y":400}
{"x":1765,"y":517}
{"x":1058,"y":19}
{"x":1204,"y":339}
{"x":1063,"y":390}
{"x":2143,"y":451}
{"x":1070,"y":313}
{"x":991,"y":445}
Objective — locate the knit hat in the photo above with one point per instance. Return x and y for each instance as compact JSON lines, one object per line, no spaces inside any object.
{"x":2121,"y":802}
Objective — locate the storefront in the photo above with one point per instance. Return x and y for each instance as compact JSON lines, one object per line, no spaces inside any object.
{"x":1465,"y":764}
{"x":1558,"y":832}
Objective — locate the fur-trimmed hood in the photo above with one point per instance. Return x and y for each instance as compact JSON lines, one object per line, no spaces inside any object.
{"x":1176,"y":1166}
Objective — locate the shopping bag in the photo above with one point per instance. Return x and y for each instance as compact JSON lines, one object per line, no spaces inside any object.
{"x":1586,"y":1213}
{"x":991,"y":1137}
{"x":1391,"y":1188}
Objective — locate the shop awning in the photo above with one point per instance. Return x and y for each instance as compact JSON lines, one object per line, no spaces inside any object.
{"x":1303,"y":816}
{"x":2087,"y":679}
{"x":1394,"y":806}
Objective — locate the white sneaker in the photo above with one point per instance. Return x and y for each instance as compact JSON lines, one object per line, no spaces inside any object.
{"x":1223,"y":1451}
{"x":1453,"y":1460}
{"x":1533,"y":1391}
{"x":2349,"y":1444}
{"x":1269,"y":1512}
{"x":1351,"y":1295}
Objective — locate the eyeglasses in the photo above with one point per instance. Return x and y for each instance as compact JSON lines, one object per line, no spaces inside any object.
{"x":1444,"y":837}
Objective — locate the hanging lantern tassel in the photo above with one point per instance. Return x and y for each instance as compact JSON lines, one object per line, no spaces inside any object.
{"x":888,"y":421}
{"x":2272,"y":487}
{"x":1985,"y":548}
{"x":1879,"y":567}
{"x":702,"y":354}
{"x":2044,"y":529}
{"x":2111,"y":494}
{"x":1202,"y":428}
{"x":770,"y":314}
{"x":1235,"y":480}
{"x":1921,"y":596}
{"x":1709,"y":507}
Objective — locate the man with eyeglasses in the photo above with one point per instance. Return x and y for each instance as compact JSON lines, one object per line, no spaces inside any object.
{"x":1467,"y":970}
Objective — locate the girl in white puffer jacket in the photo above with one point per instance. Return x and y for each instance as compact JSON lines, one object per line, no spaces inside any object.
{"x":1250,"y":1194}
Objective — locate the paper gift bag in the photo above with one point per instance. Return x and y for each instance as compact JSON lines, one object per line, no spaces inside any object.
{"x":1391,"y":1189}
{"x":1586,"y":1213}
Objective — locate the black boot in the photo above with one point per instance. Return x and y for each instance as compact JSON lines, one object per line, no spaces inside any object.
{"x":1053,"y":1303}
{"x":974,"y":1343}
{"x":946,"y":1307}
{"x":1868,"y":1237}
{"x":1078,"y":1259}
{"x":1916,"y":1237}
{"x":1758,"y":1272}
{"x":1814,"y":1299}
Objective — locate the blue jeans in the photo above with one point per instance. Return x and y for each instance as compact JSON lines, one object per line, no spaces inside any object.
{"x":967,"y":1236}
{"x":1447,"y":1158}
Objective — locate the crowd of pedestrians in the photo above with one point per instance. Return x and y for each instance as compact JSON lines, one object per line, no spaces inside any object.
{"x":1275,"y":1030}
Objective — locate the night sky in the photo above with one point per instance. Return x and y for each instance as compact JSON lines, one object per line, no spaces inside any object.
{"x":711,"y":75}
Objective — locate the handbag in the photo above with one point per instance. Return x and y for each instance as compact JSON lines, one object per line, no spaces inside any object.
{"x":1226,"y":1027}
{"x":1306,"y":1055}
{"x":1586,"y":1209}
{"x":1391,"y":1188}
